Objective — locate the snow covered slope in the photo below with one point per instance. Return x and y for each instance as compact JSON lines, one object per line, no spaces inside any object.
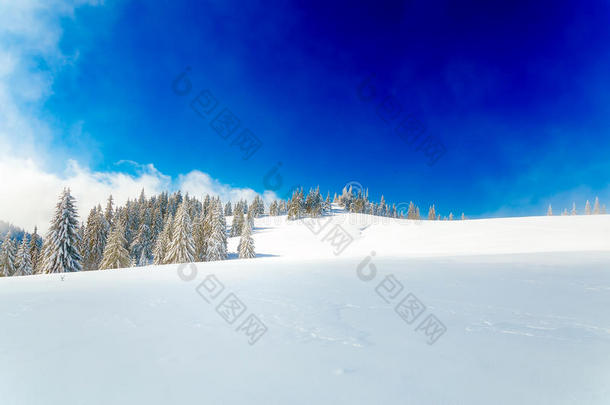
{"x":524,"y":303}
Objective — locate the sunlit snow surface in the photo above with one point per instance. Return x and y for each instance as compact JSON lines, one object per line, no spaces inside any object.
{"x":525,"y":303}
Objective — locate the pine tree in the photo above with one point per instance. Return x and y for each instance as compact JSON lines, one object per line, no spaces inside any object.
{"x":216,"y":248}
{"x":463,"y":217}
{"x":61,"y":254}
{"x":116,"y":255}
{"x":199,"y":237}
{"x":238,"y":221}
{"x":8,"y":255}
{"x":294,"y":210}
{"x":182,"y":246}
{"x":412,"y":212}
{"x":549,"y":211}
{"x":381,"y":209}
{"x":573,"y":209}
{"x":228,"y":209}
{"x":142,"y":246}
{"x":587,"y":208}
{"x":163,"y":241}
{"x":431,"y":213}
{"x":327,"y":204}
{"x":273,"y":209}
{"x":246,"y":244}
{"x":94,"y":240}
{"x":596,"y":209}
{"x":23,"y":260}
{"x":251,"y":214}
{"x":35,"y":245}
{"x":450,"y":216}
{"x":565,"y":212}
{"x":109,"y":213}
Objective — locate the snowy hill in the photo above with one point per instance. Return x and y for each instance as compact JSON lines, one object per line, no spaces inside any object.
{"x":521,"y":312}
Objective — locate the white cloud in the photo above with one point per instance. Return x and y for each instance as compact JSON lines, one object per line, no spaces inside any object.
{"x":30,"y":193}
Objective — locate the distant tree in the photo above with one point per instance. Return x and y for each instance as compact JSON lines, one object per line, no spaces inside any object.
{"x":573,"y":209}
{"x":238,"y":221}
{"x":431,"y":213}
{"x":549,"y":211}
{"x":596,"y":209}
{"x":273,"y":208}
{"x":587,"y":208}
{"x":412,"y":211}
{"x":381,"y":209}
{"x":450,"y":216}
{"x":463,"y":217}
{"x":294,"y":210}
{"x":61,"y":254}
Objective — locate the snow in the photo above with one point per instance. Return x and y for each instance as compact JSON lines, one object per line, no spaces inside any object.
{"x":525,"y":303}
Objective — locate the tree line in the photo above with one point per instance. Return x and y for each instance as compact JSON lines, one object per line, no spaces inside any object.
{"x":166,"y":229}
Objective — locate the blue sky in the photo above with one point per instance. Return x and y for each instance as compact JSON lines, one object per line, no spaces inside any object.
{"x":515,"y":92}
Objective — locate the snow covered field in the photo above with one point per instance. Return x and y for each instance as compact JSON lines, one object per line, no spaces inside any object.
{"x":525,"y":303}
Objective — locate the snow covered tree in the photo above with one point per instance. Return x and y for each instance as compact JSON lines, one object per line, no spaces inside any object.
{"x":381,"y":209}
{"x":228,"y":209}
{"x":573,"y":209}
{"x":238,"y":221}
{"x":294,"y":207}
{"x":251,"y":214}
{"x":163,"y":241}
{"x":94,"y":240}
{"x":327,"y":205}
{"x":199,"y":237}
{"x":596,"y":209}
{"x":35,"y":245}
{"x":549,"y":211}
{"x":245,"y":248}
{"x":216,"y":248}
{"x":587,"y":208}
{"x":61,"y":254}
{"x":109,"y":213}
{"x":182,"y":246}
{"x":412,"y":211}
{"x":142,"y":246}
{"x":451,"y":216}
{"x":8,"y":253}
{"x":116,"y":255}
{"x":23,"y":261}
{"x":431,"y":213}
{"x":273,"y":208}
